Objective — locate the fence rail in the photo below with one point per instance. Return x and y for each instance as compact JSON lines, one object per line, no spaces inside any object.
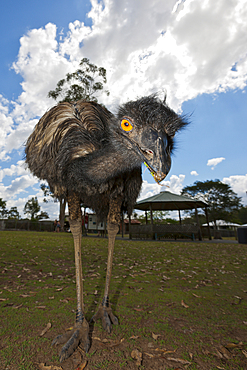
{"x":26,"y":225}
{"x":164,"y":231}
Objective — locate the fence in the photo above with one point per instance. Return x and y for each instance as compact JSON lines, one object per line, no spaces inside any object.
{"x":173,"y":231}
{"x":26,"y":225}
{"x":224,"y":233}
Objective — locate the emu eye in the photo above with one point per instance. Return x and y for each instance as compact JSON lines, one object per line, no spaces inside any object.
{"x":126,"y":125}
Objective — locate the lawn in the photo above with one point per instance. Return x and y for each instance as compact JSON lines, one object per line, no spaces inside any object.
{"x":180,"y":305}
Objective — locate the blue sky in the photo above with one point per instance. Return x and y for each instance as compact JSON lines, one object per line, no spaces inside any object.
{"x":195,"y":51}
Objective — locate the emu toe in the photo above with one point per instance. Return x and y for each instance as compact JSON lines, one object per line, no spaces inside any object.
{"x":72,"y":339}
{"x":107,"y":318}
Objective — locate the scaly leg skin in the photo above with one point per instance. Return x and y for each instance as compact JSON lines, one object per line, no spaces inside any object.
{"x":104,"y":312}
{"x":80,"y":331}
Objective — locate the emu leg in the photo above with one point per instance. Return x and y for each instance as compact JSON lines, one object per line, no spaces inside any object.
{"x":81,"y":328}
{"x":104,"y":312}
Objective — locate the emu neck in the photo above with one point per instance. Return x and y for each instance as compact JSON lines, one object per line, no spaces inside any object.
{"x":108,"y":163}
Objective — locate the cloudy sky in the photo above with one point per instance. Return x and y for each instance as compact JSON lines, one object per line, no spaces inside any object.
{"x":194,"y":50}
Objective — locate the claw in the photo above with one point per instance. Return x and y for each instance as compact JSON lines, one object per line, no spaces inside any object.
{"x":107,"y":318}
{"x":106,"y":322}
{"x":72,"y":340}
{"x":61,"y":339}
{"x":70,"y":346}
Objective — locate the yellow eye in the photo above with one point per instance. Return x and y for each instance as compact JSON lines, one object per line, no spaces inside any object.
{"x":126,"y":125}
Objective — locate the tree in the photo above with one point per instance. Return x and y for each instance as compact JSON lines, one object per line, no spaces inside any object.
{"x":13,"y":213}
{"x":159,"y":217}
{"x":32,"y":208}
{"x":85,"y":83}
{"x":3,"y":209}
{"x":242,"y":215}
{"x":62,"y":200}
{"x":222,"y":200}
{"x":47,"y":192}
{"x":42,"y":215}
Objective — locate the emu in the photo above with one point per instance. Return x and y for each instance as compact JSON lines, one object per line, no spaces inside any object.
{"x":89,"y":155}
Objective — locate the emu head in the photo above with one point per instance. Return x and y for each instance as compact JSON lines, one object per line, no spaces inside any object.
{"x":147,"y":127}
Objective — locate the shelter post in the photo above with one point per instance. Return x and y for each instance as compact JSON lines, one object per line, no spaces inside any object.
{"x":198,"y":224}
{"x":179,"y":215}
{"x":146,"y":217}
{"x":206,"y":213}
{"x":152,"y":223}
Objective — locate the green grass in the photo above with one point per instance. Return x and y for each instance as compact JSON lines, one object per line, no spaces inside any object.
{"x":152,"y":284}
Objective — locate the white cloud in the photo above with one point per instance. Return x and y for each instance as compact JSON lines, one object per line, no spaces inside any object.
{"x":194,"y":173}
{"x":18,"y":192}
{"x":186,"y":48}
{"x":18,"y":169}
{"x":214,"y":161}
{"x":238,"y":183}
{"x":174,"y":185}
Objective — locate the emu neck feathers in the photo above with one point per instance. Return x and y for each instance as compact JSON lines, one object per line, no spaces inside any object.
{"x":104,"y":164}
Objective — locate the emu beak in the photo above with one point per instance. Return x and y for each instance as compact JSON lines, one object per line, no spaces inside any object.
{"x":156,"y":158}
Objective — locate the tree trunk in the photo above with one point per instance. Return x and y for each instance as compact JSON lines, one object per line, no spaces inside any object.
{"x":62,"y":212}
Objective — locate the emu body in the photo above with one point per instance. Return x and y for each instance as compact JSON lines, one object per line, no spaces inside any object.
{"x":89,"y":155}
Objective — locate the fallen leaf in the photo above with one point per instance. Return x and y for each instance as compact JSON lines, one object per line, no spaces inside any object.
{"x":136,"y":355}
{"x":195,"y":295}
{"x":233,"y":345}
{"x":155,"y":336}
{"x":149,"y":354}
{"x":3,"y":299}
{"x":184,"y":304}
{"x":138,"y":309}
{"x":45,"y":330}
{"x":82,"y":365}
{"x":180,"y":360}
{"x":134,"y":337}
{"x":40,"y":307}
{"x":18,"y":306}
{"x":59,"y":289}
{"x":219,"y":354}
{"x":244,"y":353}
{"x":236,"y":296}
{"x":96,"y":338}
{"x":70,"y":328}
{"x":165,"y":352}
{"x":225,"y":352}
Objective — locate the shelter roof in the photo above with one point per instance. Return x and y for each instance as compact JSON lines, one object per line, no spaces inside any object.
{"x":166,"y":200}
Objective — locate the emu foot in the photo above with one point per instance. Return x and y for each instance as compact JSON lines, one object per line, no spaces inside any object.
{"x":72,"y":339}
{"x":106,"y":316}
